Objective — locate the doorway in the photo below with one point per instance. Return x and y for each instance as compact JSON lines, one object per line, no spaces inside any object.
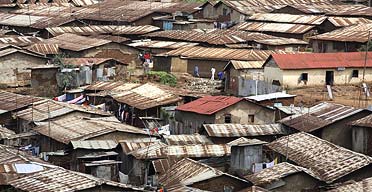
{"x":329,"y":77}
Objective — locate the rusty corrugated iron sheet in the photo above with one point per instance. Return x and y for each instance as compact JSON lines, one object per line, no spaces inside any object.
{"x":275,"y":173}
{"x":108,"y":86}
{"x":322,"y":60}
{"x":39,"y":110}
{"x":242,"y":141}
{"x":355,"y":33}
{"x":188,"y":171}
{"x":348,"y":21}
{"x":305,"y":150}
{"x":113,"y":38}
{"x":147,"y":96}
{"x":320,"y":116}
{"x":274,"y":27}
{"x":67,"y":129}
{"x":349,"y":186}
{"x":363,"y":122}
{"x":45,"y":49}
{"x":129,"y":146}
{"x":20,"y":40}
{"x":162,"y":44}
{"x":187,"y":139}
{"x":102,"y":29}
{"x":199,"y":150}
{"x":209,"y":105}
{"x":281,"y":41}
{"x":334,"y":9}
{"x":75,"y":42}
{"x":161,"y":166}
{"x":152,"y":151}
{"x":288,"y":18}
{"x":247,"y":64}
{"x":224,"y":54}
{"x":94,"y":144}
{"x":11,"y":101}
{"x":243,"y":130}
{"x":60,"y":179}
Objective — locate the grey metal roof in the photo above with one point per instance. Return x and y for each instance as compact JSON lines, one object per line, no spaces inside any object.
{"x":326,"y":160}
{"x":94,"y":144}
{"x":242,"y":130}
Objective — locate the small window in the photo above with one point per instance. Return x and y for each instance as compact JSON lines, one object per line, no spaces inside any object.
{"x":304,"y":77}
{"x":224,"y":11}
{"x":250,"y":118}
{"x":228,"y":118}
{"x":355,"y":73}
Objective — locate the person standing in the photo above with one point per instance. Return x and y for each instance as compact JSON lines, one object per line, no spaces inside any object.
{"x":213,"y":70}
{"x":196,"y":71}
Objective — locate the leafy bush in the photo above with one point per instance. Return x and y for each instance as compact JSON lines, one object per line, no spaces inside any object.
{"x":164,"y":77}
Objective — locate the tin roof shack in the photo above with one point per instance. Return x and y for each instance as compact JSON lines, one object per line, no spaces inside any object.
{"x":60,"y":179}
{"x":273,"y":99}
{"x":362,"y":135}
{"x":15,"y":64}
{"x":99,"y":69}
{"x":329,"y":163}
{"x":328,"y":121}
{"x":184,"y":60}
{"x":317,"y":69}
{"x":46,"y":110}
{"x":95,"y":157}
{"x":285,"y":177}
{"x":235,"y":71}
{"x":44,"y":80}
{"x":11,"y":103}
{"x":225,"y":133}
{"x":57,"y":134}
{"x":193,"y":139}
{"x":77,"y":46}
{"x":144,"y":101}
{"x":349,"y":186}
{"x":187,"y":172}
{"x":244,"y":153}
{"x":219,"y":109}
{"x":347,"y":39}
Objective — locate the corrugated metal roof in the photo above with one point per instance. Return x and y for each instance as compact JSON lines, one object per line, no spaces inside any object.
{"x":94,"y":144}
{"x":288,"y":18}
{"x":188,"y":171}
{"x":322,"y":60}
{"x":242,"y":141}
{"x":187,"y":139}
{"x":102,"y":29}
{"x":39,"y":111}
{"x":209,"y":105}
{"x":129,"y":146}
{"x":162,"y":44}
{"x":108,"y":86}
{"x":113,"y":38}
{"x":212,"y":36}
{"x":224,"y":54}
{"x":147,"y":96}
{"x":8,"y":51}
{"x":274,"y":27}
{"x":183,"y":188}
{"x":67,"y":129}
{"x":347,"y":21}
{"x":275,"y":173}
{"x":281,"y":41}
{"x":355,"y":33}
{"x":60,"y":179}
{"x":152,"y":151}
{"x":75,"y":42}
{"x":161,"y":166}
{"x":20,"y":40}
{"x":353,"y":186}
{"x":334,"y":9}
{"x":11,"y":101}
{"x":305,"y":149}
{"x":270,"y":96}
{"x":88,"y":61}
{"x":320,"y":116}
{"x":246,"y":64}
{"x":363,"y":122}
{"x":44,"y":49}
{"x":199,"y":150}
{"x":240,"y":130}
